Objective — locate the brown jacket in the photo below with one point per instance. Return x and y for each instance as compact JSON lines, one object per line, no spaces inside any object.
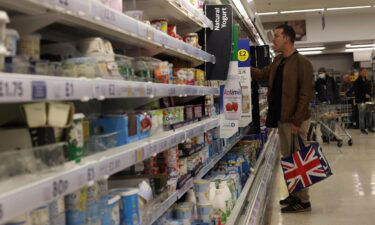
{"x":297,"y":89}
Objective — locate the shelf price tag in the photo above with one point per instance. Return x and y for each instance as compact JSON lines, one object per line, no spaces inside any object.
{"x":114,"y":166}
{"x":13,"y":90}
{"x":109,"y":16}
{"x":190,"y":133}
{"x":173,"y":141}
{"x":172,"y":91}
{"x":59,"y":187}
{"x":163,"y":144}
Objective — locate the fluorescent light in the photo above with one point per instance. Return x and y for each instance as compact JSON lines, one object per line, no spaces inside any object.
{"x":359,"y":46}
{"x":267,"y":13}
{"x":302,"y":10}
{"x":351,"y":7}
{"x":359,"y":49}
{"x":311,"y":49}
{"x":311,"y":53}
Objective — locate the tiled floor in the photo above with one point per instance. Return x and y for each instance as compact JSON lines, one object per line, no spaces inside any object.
{"x":346,"y":198}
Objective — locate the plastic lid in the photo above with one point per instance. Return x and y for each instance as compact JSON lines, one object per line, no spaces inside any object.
{"x":78,"y":116}
{"x":12,"y":32}
{"x":114,"y":199}
{"x":201,"y":182}
{"x":208,"y":205}
{"x":4,"y":17}
{"x":130,"y":191}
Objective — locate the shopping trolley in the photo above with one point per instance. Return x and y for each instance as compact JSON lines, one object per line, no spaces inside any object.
{"x":331,"y":122}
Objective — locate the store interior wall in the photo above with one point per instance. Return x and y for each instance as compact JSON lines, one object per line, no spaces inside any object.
{"x":340,"y":28}
{"x":337,"y":62}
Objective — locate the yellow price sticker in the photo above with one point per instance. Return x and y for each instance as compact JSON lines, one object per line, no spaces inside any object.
{"x":243,"y":55}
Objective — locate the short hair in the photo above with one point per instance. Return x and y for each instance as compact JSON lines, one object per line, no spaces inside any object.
{"x":288,"y":31}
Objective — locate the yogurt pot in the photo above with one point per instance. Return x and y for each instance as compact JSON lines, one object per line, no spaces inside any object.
{"x":205,"y":212}
{"x":184,"y":212}
{"x":29,"y":46}
{"x":202,"y":191}
{"x":160,"y":24}
{"x":75,"y":205}
{"x":11,"y":39}
{"x":92,"y":205}
{"x":57,"y":212}
{"x":129,"y":206}
{"x":40,"y":216}
{"x":112,"y":211}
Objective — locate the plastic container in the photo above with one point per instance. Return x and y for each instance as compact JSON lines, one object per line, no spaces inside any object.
{"x":76,"y":139}
{"x":184,"y":213}
{"x":135,"y":14}
{"x":112,"y":212}
{"x":205,"y":212}
{"x":29,"y":46}
{"x":232,"y":94}
{"x":40,"y":216}
{"x":92,"y":205}
{"x":192,"y":39}
{"x":202,"y":191}
{"x":4,"y":19}
{"x":11,"y":39}
{"x":102,"y":142}
{"x":160,"y":24}
{"x":129,"y":207}
{"x":75,"y":205}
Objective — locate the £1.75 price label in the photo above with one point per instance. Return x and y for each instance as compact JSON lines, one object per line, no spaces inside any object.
{"x":12,"y":89}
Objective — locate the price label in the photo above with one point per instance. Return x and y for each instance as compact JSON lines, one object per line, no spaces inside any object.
{"x":111,"y":90}
{"x":172,"y":91}
{"x":173,"y":141}
{"x":139,"y":155}
{"x":11,"y":89}
{"x":181,"y":137}
{"x":90,"y":174}
{"x":141,"y":90}
{"x":69,"y":89}
{"x":64,"y":3}
{"x":114,"y":166}
{"x":149,"y":90}
{"x":164,"y":145}
{"x":190,"y":133}
{"x":59,"y":187}
{"x":109,"y":16}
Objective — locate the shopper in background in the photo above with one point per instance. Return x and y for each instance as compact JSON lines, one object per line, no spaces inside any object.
{"x":362,"y":92}
{"x":327,"y":93}
{"x":290,"y":91}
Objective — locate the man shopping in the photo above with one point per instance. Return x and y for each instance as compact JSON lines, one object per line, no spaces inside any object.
{"x":290,"y":91}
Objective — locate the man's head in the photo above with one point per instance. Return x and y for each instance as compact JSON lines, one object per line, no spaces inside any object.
{"x":362,"y":72}
{"x":284,"y":37}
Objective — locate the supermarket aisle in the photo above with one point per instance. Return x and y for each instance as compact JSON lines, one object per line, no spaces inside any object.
{"x":346,"y":198}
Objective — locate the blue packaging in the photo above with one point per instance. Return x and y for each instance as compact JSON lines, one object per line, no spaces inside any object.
{"x":75,"y":205}
{"x":129,"y":208}
{"x":92,"y":205}
{"x":112,"y":212}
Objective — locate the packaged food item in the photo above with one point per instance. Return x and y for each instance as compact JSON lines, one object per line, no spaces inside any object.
{"x":101,"y":142}
{"x":40,"y":216}
{"x":190,"y":76}
{"x":205,"y":212}
{"x":198,"y":112}
{"x":29,"y":46}
{"x":135,"y":14}
{"x":180,"y":75}
{"x":194,"y":3}
{"x":192,"y":39}
{"x":161,"y":73}
{"x":4,"y":19}
{"x":184,"y":213}
{"x":114,"y":4}
{"x":125,"y":67}
{"x":200,"y":77}
{"x":76,"y":205}
{"x":160,"y":24}
{"x":92,"y":205}
{"x":36,"y":114}
{"x":112,"y":211}
{"x":173,"y":115}
{"x":172,"y":31}
{"x":11,"y":39}
{"x":129,"y":208}
{"x":189,"y":112}
{"x":76,"y":139}
{"x":202,"y":189}
{"x":156,"y":120}
{"x":144,"y":125}
{"x":92,"y":46}
{"x":57,"y":212}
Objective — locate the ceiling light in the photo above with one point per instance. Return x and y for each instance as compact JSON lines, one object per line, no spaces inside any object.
{"x":302,"y":10}
{"x":311,"y":49}
{"x":311,"y":53}
{"x":359,"y":49}
{"x":360,"y":46}
{"x":351,"y":7}
{"x":267,"y":13}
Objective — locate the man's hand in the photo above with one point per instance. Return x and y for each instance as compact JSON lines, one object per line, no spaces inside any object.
{"x":295,"y":129}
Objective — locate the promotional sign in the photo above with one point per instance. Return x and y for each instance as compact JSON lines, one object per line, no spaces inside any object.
{"x":245,"y":81}
{"x":231,"y":103}
{"x":219,"y":41}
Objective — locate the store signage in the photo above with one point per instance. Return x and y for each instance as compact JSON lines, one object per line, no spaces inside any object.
{"x":219,"y":40}
{"x":245,"y":81}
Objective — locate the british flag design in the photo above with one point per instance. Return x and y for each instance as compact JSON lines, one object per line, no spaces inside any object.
{"x":305,"y":168}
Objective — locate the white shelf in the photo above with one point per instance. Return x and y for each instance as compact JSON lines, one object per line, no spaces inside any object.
{"x":110,"y":24}
{"x":165,"y":205}
{"x":179,"y":12}
{"x":251,"y":193}
{"x":27,"y":88}
{"x":37,"y":190}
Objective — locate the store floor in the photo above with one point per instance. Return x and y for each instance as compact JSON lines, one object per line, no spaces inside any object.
{"x":346,"y":198}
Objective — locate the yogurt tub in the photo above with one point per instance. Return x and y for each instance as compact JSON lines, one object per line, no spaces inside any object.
{"x":129,"y":206}
{"x":184,"y":212}
{"x":57,"y":212}
{"x":29,"y":46}
{"x":40,"y":216}
{"x":112,"y":212}
{"x":75,"y":205}
{"x":202,"y":191}
{"x":205,"y":212}
{"x":11,"y":39}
